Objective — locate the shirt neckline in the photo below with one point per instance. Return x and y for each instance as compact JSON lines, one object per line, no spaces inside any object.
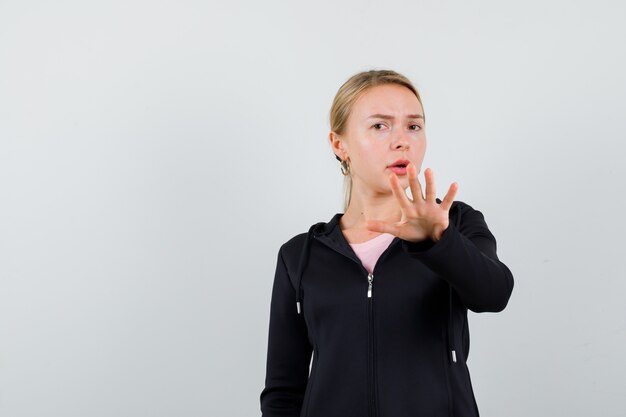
{"x":374,"y":239}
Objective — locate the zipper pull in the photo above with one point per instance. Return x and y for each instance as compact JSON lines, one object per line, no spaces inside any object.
{"x":370,"y":278}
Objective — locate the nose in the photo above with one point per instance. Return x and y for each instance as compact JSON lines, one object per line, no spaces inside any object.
{"x":400,"y":140}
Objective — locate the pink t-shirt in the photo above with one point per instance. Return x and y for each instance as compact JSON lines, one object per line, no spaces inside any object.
{"x":369,"y":251}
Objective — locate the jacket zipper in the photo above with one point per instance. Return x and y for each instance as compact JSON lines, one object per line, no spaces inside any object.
{"x":370,"y":348}
{"x":372,"y":403}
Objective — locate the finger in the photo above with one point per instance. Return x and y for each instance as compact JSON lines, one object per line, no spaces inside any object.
{"x":446,"y":203}
{"x":416,"y":189}
{"x":399,"y":192}
{"x":430,"y":185}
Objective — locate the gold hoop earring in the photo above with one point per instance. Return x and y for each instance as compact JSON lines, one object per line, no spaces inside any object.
{"x":345,"y":168}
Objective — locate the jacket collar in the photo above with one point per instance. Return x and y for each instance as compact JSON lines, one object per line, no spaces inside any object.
{"x":331,"y":235}
{"x":324,"y":228}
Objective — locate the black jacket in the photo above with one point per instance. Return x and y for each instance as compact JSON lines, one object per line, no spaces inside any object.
{"x":393,"y":343}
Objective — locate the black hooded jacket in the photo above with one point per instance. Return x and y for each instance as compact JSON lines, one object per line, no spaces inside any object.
{"x":393,"y":343}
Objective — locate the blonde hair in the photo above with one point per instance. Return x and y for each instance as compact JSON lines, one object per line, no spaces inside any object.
{"x":348,"y":94}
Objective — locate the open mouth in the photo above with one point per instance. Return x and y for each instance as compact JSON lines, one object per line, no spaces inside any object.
{"x":399,"y":164}
{"x":399,"y":169}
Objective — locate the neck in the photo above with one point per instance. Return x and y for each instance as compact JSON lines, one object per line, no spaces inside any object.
{"x":362,"y":208}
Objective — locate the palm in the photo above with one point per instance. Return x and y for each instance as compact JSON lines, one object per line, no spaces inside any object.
{"x":422,"y":217}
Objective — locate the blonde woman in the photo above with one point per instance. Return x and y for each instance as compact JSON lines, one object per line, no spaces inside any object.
{"x":378,"y":295}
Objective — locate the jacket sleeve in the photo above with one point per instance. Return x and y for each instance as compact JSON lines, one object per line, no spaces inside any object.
{"x":467,"y":259}
{"x":288,"y":351}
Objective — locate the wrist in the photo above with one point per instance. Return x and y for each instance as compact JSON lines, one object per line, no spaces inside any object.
{"x":437,"y":234}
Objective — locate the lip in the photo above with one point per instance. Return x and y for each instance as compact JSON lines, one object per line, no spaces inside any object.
{"x":397,"y":170}
{"x":404,"y":162}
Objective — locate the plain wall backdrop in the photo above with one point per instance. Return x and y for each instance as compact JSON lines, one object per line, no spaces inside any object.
{"x":155,"y":155}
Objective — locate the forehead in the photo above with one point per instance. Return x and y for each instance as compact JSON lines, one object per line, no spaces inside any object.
{"x":390,"y":99}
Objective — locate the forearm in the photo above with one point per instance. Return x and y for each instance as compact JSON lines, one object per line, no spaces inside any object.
{"x":471,"y":266}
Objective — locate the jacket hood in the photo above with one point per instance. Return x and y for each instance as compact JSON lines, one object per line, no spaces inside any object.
{"x":325,"y":228}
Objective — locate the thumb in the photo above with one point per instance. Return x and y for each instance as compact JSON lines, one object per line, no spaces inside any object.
{"x":379,"y":226}
{"x":374,"y":225}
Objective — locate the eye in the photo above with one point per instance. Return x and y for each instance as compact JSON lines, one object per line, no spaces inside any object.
{"x":418,"y":127}
{"x":377,"y":124}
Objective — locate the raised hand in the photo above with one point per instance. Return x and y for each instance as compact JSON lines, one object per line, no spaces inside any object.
{"x":422,"y":218}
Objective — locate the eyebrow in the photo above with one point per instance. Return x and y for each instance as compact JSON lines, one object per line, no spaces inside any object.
{"x":388,"y":117}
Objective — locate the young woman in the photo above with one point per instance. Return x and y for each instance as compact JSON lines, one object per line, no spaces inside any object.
{"x":379,"y":294}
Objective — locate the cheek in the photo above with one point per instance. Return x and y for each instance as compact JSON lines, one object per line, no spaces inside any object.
{"x":420,"y":146}
{"x":374,"y":137}
{"x":369,"y":149}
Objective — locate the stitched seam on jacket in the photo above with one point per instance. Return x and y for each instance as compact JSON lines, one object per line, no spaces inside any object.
{"x":311,"y":381}
{"x":472,"y":389}
{"x":447,"y":373}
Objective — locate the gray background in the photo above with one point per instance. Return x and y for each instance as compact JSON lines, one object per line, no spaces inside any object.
{"x":155,"y":155}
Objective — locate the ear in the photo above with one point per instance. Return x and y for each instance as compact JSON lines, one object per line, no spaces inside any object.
{"x":336,"y":144}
